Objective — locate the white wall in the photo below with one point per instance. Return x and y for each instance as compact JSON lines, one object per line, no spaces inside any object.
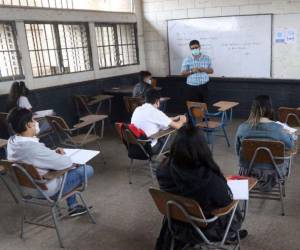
{"x":38,"y":14}
{"x":156,"y":12}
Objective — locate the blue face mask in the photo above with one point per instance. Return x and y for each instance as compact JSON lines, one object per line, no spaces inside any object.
{"x":195,"y":52}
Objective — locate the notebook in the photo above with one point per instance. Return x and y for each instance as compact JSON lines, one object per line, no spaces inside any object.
{"x":239,"y":189}
{"x":80,"y":156}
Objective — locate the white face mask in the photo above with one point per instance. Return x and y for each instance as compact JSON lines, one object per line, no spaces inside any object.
{"x":149,"y":81}
{"x":37,"y":127}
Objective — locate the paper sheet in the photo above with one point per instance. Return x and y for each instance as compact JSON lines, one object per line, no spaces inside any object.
{"x":43,"y":113}
{"x":239,"y":189}
{"x":80,"y":156}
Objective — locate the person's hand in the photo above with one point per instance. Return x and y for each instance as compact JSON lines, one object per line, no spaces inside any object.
{"x":60,"y":151}
{"x":176,"y":118}
{"x":183,"y":118}
{"x":194,"y":70}
{"x":201,"y":69}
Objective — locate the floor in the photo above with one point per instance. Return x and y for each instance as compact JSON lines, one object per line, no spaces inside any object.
{"x":127,"y":218}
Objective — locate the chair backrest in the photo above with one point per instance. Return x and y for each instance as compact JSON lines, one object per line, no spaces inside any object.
{"x":57,"y":122}
{"x":4,"y":127}
{"x":131,"y":103}
{"x":81,"y":105}
{"x":163,"y":199}
{"x":154,"y":82}
{"x":262,"y":149}
{"x":23,"y":172}
{"x":197,"y":109}
{"x":290,"y":116}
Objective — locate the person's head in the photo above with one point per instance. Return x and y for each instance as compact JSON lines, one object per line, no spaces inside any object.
{"x":195,"y":47}
{"x":261,"y":107}
{"x":17,"y":89}
{"x":22,"y":122}
{"x":145,"y":76}
{"x":190,"y":150}
{"x":153,"y":97}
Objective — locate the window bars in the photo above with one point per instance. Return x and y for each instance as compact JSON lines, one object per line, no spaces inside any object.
{"x":117,"y":45}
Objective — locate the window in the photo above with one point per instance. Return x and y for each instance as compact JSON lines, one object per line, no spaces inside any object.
{"x":58,"y":48}
{"x":104,"y":5}
{"x":117,"y":45}
{"x":10,"y":67}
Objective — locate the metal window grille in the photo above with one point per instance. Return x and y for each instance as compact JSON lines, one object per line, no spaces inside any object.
{"x":10,"y":67}
{"x":117,"y":45}
{"x":58,"y":48}
{"x":106,"y":5}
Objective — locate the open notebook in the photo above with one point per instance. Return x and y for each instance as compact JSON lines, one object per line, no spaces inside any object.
{"x":239,"y":189}
{"x":80,"y":156}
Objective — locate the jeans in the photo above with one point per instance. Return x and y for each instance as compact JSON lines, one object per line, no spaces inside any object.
{"x":74,"y":179}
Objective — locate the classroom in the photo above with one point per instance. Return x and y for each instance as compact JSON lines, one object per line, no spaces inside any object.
{"x":149,"y":124}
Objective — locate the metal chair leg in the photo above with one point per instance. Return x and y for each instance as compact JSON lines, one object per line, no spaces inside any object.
{"x":22,"y":223}
{"x":9,"y":189}
{"x":130,"y":171}
{"x":87,"y":208}
{"x":225,"y":135}
{"x":151,"y":171}
{"x":53,"y":212}
{"x":281,"y":199}
{"x":101,"y":153}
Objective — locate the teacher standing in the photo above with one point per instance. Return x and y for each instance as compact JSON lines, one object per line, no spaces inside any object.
{"x":196,"y":68}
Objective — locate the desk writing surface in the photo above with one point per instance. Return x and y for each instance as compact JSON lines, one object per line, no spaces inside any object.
{"x":225,"y":105}
{"x":251,"y":181}
{"x":162,"y":133}
{"x":127,"y":89}
{"x":3,"y":143}
{"x":99,"y":98}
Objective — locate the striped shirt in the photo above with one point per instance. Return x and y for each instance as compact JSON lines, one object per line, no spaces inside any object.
{"x":200,"y":62}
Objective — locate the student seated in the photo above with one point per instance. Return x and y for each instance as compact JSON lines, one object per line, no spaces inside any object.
{"x":18,"y":96}
{"x":141,"y":88}
{"x":260,"y":125}
{"x":151,"y":120}
{"x":190,"y":171}
{"x":24,"y":147}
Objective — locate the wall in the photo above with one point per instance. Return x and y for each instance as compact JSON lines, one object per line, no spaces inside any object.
{"x":156,"y":12}
{"x":38,"y":14}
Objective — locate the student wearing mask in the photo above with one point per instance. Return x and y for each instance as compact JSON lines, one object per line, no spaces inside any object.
{"x":141,"y":88}
{"x":260,"y":125}
{"x":190,"y":171}
{"x":151,"y":120}
{"x":196,"y":68}
{"x":24,"y":147}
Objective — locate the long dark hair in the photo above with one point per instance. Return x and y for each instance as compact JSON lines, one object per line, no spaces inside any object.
{"x":17,"y":89}
{"x":261,"y":107}
{"x":190,"y":150}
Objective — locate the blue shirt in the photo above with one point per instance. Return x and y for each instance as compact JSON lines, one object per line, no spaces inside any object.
{"x":190,"y":62}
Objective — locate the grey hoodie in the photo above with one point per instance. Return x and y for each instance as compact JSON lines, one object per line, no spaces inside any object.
{"x":30,"y":151}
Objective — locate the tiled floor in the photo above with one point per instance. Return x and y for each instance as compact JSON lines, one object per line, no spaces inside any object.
{"x":126,"y":216}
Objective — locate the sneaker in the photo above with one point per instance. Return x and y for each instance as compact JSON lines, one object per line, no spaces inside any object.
{"x":78,"y":210}
{"x":233,"y":237}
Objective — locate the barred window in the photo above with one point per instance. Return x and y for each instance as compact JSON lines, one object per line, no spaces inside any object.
{"x":58,"y":48}
{"x":10,"y":67}
{"x":117,"y":45}
{"x":105,"y":5}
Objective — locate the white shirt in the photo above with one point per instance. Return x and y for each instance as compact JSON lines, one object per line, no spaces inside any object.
{"x":150,"y":119}
{"x":30,"y":151}
{"x":23,"y":102}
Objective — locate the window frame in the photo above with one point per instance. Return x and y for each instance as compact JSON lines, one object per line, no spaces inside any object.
{"x":18,"y":54}
{"x":115,"y":28}
{"x":59,"y":48}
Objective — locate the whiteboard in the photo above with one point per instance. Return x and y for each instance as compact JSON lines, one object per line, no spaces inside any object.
{"x":286,"y":63}
{"x":239,"y":46}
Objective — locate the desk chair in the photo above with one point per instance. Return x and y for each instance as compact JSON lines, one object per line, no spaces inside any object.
{"x":4,"y":171}
{"x":27,"y":176}
{"x":131,"y":103}
{"x":203,"y":119}
{"x":83,"y":104}
{"x":71,"y":137}
{"x":137,"y":149}
{"x":268,"y":152}
{"x":179,"y":208}
{"x":290,"y":116}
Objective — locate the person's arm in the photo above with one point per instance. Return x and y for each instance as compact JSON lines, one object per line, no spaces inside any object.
{"x":45,"y":158}
{"x":185,"y":68}
{"x":178,"y":123}
{"x":221,"y":196}
{"x":287,"y":139}
{"x":206,"y":70}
